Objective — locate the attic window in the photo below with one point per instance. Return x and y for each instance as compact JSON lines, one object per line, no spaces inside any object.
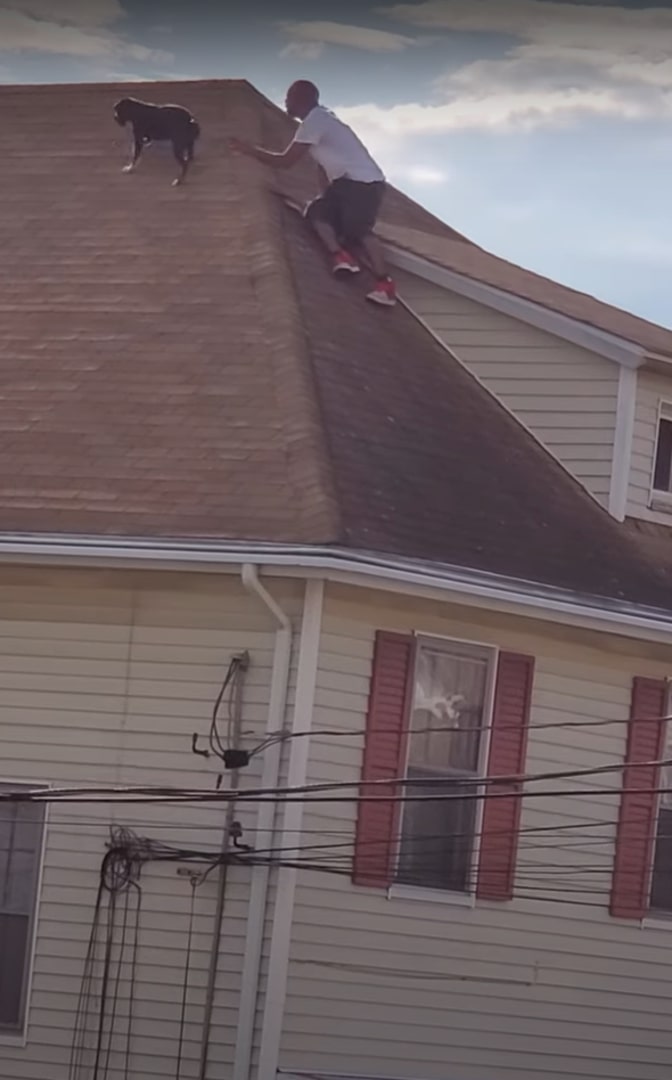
{"x":662,"y":472}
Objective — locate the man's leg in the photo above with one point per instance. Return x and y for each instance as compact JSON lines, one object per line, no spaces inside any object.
{"x":373,"y":253}
{"x":323,"y":215}
{"x":359,"y":212}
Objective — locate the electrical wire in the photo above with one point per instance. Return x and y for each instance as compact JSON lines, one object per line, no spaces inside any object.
{"x":449,"y":729}
{"x":574,"y":885}
{"x":119,"y":875}
{"x":236,"y":665}
{"x":132,"y":793}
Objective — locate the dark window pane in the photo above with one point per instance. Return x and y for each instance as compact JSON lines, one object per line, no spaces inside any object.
{"x":21,"y":826}
{"x":662,"y":474}
{"x":437,"y":837}
{"x":661,"y":883}
{"x":13,"y":956}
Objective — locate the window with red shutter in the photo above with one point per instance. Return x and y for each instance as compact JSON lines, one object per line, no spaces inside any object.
{"x":633,"y":883}
{"x":429,"y":721}
{"x":384,"y":754}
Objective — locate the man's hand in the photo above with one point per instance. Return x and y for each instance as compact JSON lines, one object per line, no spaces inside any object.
{"x":293,"y":153}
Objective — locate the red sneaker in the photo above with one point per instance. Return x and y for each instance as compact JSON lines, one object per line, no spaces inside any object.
{"x":344,"y":263}
{"x":384,"y":293}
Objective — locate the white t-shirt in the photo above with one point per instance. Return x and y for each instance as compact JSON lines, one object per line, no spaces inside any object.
{"x":336,"y":148}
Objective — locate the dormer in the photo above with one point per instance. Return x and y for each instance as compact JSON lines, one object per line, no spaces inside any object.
{"x":593,"y":384}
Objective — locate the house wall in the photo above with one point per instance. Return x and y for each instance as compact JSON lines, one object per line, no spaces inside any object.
{"x":652,"y":387}
{"x":564,"y":395}
{"x":103,"y":679}
{"x":547,"y":985}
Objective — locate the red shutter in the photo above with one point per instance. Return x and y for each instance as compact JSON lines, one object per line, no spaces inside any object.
{"x":639,"y":801}
{"x":508,"y":745}
{"x":384,"y":758}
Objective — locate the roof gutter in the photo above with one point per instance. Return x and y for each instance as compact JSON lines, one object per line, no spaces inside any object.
{"x":361,"y":568}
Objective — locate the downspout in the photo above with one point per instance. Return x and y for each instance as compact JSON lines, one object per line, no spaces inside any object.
{"x":265,"y":821}
{"x":287,"y":875}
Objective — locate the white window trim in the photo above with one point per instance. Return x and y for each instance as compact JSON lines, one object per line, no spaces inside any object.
{"x":657,"y":922}
{"x":20,"y":1038}
{"x":402,"y":891}
{"x":655,"y":918}
{"x":660,"y":501}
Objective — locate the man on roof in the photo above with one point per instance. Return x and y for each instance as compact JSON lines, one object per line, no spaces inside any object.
{"x":344,"y":215}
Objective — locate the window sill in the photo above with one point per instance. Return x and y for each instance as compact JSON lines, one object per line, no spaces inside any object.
{"x":659,"y":921}
{"x":432,"y":896}
{"x":661,"y":502}
{"x":8,"y":1038}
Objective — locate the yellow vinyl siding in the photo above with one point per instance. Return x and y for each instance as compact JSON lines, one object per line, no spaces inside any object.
{"x":547,"y":985}
{"x":103,"y":679}
{"x":565,"y":395}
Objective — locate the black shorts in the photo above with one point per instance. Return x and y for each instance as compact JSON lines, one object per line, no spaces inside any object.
{"x":351,"y":208}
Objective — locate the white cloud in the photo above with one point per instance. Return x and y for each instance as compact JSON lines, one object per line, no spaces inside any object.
{"x":570,"y":59}
{"x":425,"y":174}
{"x":304,"y":50}
{"x":81,"y":28}
{"x":388,"y":142}
{"x":353,"y":37}
{"x":80,"y":12}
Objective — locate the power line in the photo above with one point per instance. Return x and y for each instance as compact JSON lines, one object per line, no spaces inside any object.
{"x":159,"y":793}
{"x":450,"y":729}
{"x":289,"y":795}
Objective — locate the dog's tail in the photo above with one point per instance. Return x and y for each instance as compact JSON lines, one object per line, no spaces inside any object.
{"x":195,"y":128}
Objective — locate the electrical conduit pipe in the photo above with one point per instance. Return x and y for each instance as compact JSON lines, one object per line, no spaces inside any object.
{"x":265,"y":822}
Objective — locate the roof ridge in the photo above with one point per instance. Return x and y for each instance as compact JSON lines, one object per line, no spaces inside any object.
{"x":111,"y":83}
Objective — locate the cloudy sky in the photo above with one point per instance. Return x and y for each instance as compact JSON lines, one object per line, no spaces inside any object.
{"x":541,"y":129}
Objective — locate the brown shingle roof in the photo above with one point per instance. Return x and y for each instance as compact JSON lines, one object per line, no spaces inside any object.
{"x":182,"y":363}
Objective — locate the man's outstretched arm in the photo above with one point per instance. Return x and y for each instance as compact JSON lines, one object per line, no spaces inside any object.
{"x":277,"y":160}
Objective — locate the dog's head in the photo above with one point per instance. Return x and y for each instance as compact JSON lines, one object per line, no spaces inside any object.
{"x":124,"y":110}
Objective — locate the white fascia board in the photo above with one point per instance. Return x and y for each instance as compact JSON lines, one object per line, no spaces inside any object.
{"x":621,"y":351}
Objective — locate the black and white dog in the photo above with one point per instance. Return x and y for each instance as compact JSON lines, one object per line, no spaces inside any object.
{"x":159,"y":123}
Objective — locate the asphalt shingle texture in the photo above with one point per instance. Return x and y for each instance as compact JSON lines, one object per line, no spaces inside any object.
{"x":181,"y":363}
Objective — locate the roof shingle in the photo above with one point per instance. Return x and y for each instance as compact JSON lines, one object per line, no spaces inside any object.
{"x":180,"y":362}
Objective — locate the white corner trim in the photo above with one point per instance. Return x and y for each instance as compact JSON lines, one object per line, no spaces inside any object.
{"x":578,"y":333}
{"x":623,"y":434}
{"x":283,"y":916}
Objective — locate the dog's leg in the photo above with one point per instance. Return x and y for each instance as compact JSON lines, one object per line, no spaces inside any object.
{"x":182,"y":157}
{"x":138,"y":143}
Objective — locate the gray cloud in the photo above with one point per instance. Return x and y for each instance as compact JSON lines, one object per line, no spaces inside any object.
{"x":315,"y":35}
{"x":81,"y":28}
{"x":570,"y":59}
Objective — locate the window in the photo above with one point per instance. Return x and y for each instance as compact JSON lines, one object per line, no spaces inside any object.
{"x":451,"y":692}
{"x":662,"y":471}
{"x":661,"y":877}
{"x":21,"y":829}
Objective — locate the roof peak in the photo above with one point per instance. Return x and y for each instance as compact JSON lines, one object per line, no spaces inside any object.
{"x":106,"y":84}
